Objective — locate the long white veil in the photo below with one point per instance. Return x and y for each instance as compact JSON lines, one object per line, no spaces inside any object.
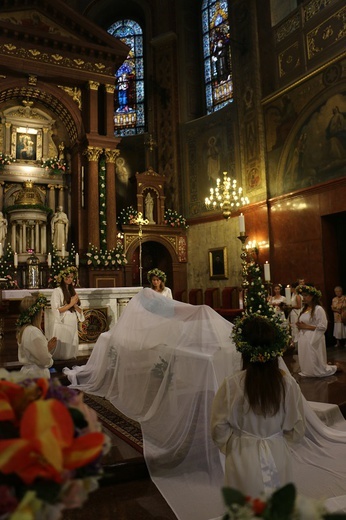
{"x":161,"y":365}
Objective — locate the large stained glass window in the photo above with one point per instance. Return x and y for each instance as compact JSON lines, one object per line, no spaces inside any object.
{"x":129,"y":117}
{"x":217,"y":54}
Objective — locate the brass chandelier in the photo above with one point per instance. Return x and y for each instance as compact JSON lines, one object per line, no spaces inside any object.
{"x":226,"y":196}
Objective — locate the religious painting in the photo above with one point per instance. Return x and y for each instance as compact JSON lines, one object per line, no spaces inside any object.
{"x":218,"y":263}
{"x":26,"y":144}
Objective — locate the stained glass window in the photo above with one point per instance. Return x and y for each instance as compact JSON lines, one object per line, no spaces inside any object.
{"x":217,"y":54}
{"x":129,"y":116}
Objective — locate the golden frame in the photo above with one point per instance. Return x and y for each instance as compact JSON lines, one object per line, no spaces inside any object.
{"x":218,"y":264}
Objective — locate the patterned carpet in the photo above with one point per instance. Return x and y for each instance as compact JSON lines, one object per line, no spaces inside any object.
{"x":115,"y":421}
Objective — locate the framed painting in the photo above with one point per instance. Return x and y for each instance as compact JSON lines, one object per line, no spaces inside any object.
{"x":218,"y":267}
{"x":26,"y":146}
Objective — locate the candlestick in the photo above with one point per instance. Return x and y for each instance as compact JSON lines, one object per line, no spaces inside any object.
{"x":15,"y":260}
{"x":241,"y":224}
{"x":267,"y":272}
{"x":63,"y":250}
{"x":49,"y":260}
{"x":288,"y":295}
{"x":77,"y":260}
{"x":1,"y":250}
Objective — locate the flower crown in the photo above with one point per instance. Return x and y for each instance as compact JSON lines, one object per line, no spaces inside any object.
{"x":156,"y":272}
{"x":309,"y":289}
{"x":65,"y":272}
{"x":26,"y":317}
{"x":259,"y":353}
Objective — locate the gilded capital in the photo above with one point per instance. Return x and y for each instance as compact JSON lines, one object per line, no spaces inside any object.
{"x":111,"y":155}
{"x":110,"y":89}
{"x":92,"y":153}
{"x":93,"y":85}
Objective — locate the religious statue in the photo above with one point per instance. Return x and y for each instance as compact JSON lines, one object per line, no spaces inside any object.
{"x":3,"y":228}
{"x":59,"y":227}
{"x":149,"y":208}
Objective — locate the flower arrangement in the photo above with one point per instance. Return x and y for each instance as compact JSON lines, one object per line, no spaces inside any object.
{"x":54,"y":164}
{"x":309,"y":289}
{"x":109,"y":258}
{"x":127,"y":216}
{"x":6,"y":159}
{"x":102,"y":202}
{"x":7,"y":269}
{"x":173,"y":219}
{"x":283,"y":504}
{"x":50,"y":448}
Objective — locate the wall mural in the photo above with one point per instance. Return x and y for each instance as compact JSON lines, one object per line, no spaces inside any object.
{"x":316,"y":152}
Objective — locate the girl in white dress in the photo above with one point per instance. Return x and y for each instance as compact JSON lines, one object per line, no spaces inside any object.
{"x":34,"y":351}
{"x":257,"y":411}
{"x":296,"y":305}
{"x":157,"y":280}
{"x":67,"y":313}
{"x":312,"y":324}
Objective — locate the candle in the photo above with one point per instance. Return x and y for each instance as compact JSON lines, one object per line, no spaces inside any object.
{"x":49,"y":260}
{"x":1,"y":250}
{"x":77,"y":260}
{"x":241,"y":223}
{"x":15,"y":260}
{"x":267,"y":272}
{"x":288,"y":295}
{"x":63,"y":250}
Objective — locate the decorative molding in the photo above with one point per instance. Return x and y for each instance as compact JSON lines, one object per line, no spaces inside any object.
{"x":92,"y":153}
{"x":288,"y":27}
{"x":110,"y":89}
{"x":314,"y":7}
{"x":111,"y":155}
{"x":75,"y":93}
{"x":289,"y":59}
{"x":93,"y":85}
{"x":330,"y":31}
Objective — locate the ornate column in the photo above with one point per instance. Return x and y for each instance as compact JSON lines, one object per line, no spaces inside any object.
{"x":109,"y":110}
{"x":23,"y":241}
{"x":43,"y":239}
{"x":8,"y":138}
{"x":61,"y":196}
{"x":51,"y":197}
{"x":37,"y":238}
{"x":93,"y":106}
{"x":45,"y":142}
{"x":1,"y":195}
{"x":92,"y":191}
{"x":111,"y":210}
{"x":13,"y":236}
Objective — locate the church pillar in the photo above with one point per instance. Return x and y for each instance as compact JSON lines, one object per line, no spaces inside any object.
{"x":61,"y":197}
{"x":43,"y":239}
{"x":8,"y":138}
{"x":1,"y":195}
{"x":109,"y":110}
{"x":13,"y":237}
{"x":37,"y":238}
{"x":111,"y":210}
{"x":92,"y":199}
{"x":93,"y":107}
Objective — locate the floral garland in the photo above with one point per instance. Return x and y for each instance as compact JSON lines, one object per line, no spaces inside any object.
{"x":102,"y":202}
{"x":54,"y":164}
{"x":127,"y":216}
{"x":173,"y":219}
{"x":159,"y":274}
{"x":26,"y":317}
{"x":309,"y":289}
{"x":109,"y":258}
{"x":6,"y":159}
{"x":283,"y":504}
{"x":51,"y":465}
{"x":71,"y":269}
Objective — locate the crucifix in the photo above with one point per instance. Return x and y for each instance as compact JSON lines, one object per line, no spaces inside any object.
{"x":140,"y":221}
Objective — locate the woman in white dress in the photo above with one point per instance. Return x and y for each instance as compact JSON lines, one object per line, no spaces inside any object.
{"x":338,"y":305}
{"x":296,"y":305}
{"x":34,"y":351}
{"x":312,"y":324}
{"x":257,"y":411}
{"x":67,"y":313}
{"x":157,"y":280}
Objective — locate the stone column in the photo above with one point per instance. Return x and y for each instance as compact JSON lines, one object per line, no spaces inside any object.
{"x":37,"y":238}
{"x":109,"y":110}
{"x":111,"y":210}
{"x":92,"y":194}
{"x":13,"y":236}
{"x":43,"y":239}
{"x":93,"y":107}
{"x":51,"y":197}
{"x":1,"y":195}
{"x":23,"y":241}
{"x":61,"y":197}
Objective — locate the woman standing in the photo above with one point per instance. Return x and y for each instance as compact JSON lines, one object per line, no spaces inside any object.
{"x":257,"y":411}
{"x":338,"y":304}
{"x":34,"y":351}
{"x":296,"y":305}
{"x":312,"y":324}
{"x":67,"y":313}
{"x":157,"y":280}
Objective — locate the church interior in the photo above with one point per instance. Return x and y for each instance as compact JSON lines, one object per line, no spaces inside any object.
{"x":178,"y":135}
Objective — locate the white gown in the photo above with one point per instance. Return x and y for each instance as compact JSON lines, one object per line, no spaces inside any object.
{"x":312,"y":352}
{"x":33,"y":353}
{"x":162,"y":364}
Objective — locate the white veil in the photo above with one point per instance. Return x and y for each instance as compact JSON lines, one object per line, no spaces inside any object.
{"x":161,"y":364}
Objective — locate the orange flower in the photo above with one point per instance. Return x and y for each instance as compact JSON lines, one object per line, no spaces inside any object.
{"x":47,"y":446}
{"x":15,"y":398}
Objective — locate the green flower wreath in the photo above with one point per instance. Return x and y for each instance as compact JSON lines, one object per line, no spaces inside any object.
{"x":65,"y":272}
{"x":26,"y":317}
{"x":309,"y":289}
{"x":156,"y":272}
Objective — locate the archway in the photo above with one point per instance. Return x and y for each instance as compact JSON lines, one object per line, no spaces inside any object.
{"x":154,"y":255}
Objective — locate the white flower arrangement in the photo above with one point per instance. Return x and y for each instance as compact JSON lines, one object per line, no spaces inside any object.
{"x":106,"y":258}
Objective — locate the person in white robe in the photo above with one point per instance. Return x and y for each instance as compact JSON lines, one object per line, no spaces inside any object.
{"x":157,"y":280}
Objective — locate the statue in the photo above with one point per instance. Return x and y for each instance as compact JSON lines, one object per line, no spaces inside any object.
{"x":149,"y":208}
{"x":3,"y":228}
{"x":59,"y":227}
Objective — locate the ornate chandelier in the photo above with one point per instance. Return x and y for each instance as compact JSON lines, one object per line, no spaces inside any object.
{"x":226,"y":196}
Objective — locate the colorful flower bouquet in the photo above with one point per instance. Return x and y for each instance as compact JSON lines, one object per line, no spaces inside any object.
{"x":54,"y":164}
{"x":106,"y":258}
{"x":173,"y":219}
{"x":6,"y":159}
{"x":127,"y":216}
{"x":50,"y":448}
{"x":283,"y":504}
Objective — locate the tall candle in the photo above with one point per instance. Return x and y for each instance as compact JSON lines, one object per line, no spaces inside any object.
{"x":15,"y":260}
{"x":63,"y":250}
{"x":241,"y":223}
{"x":267,"y":272}
{"x":288,"y":295}
{"x":49,"y":260}
{"x":77,"y":260}
{"x":1,"y":250}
